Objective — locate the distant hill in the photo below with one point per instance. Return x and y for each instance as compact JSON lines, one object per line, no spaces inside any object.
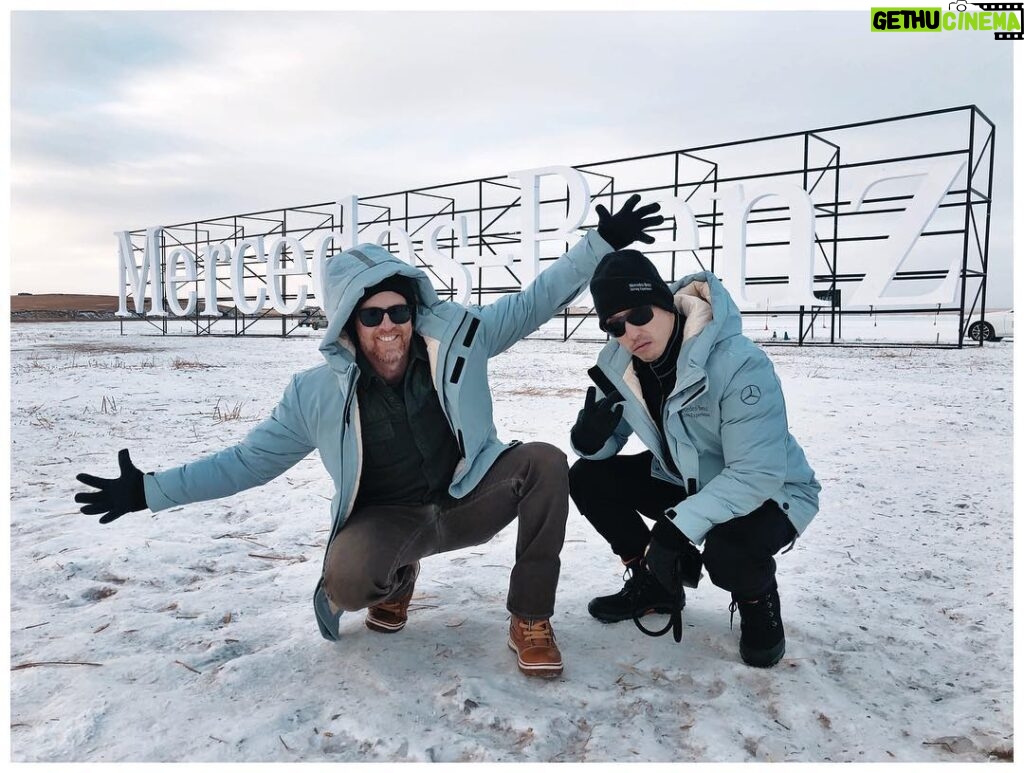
{"x":60,"y":306}
{"x":56,"y":307}
{"x":63,"y":302}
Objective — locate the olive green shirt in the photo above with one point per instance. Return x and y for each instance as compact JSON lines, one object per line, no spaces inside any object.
{"x":409,"y":449}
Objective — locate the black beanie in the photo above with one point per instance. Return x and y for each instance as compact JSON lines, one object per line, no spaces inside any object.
{"x":395,"y":283}
{"x":627,"y":279}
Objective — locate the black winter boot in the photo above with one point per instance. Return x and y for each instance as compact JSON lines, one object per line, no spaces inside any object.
{"x":641,"y":592}
{"x":762,"y":638}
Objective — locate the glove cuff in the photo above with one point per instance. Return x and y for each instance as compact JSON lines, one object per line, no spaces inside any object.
{"x":138,"y":494}
{"x":614,"y":240}
{"x":666,"y":533}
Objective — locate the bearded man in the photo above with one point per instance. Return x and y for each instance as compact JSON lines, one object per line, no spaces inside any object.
{"x":400,"y":412}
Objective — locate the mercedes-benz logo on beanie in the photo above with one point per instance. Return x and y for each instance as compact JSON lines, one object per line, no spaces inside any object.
{"x":626,"y":279}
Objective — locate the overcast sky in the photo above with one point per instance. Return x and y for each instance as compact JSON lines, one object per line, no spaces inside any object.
{"x":122,"y":120}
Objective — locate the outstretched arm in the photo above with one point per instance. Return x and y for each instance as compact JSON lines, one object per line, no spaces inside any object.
{"x":516,"y":315}
{"x":268,"y":450}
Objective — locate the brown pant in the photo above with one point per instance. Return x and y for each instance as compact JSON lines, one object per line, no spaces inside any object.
{"x":371,"y":559}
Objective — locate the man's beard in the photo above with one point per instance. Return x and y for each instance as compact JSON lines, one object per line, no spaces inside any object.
{"x":390,"y":353}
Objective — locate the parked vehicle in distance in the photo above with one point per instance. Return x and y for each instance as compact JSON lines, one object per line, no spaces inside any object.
{"x":996,"y":325}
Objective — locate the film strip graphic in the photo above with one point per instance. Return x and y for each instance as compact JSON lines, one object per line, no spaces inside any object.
{"x":1017,"y":8}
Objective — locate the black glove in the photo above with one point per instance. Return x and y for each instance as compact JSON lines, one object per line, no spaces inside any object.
{"x":116,"y":496}
{"x":596,"y":422}
{"x":672,"y":558}
{"x":626,"y":226}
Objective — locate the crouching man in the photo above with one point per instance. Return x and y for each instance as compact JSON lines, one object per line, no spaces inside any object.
{"x":400,"y":412}
{"x":722,"y":469}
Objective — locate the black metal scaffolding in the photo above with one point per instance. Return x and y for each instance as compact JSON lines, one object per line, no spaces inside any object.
{"x":830,"y":164}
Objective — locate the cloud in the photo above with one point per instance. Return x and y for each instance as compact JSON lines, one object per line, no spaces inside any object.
{"x":135,"y":119}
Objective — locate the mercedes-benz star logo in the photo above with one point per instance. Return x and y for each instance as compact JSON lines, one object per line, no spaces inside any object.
{"x":750,"y":394}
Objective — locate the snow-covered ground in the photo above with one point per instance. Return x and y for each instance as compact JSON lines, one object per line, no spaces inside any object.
{"x":189,"y":634}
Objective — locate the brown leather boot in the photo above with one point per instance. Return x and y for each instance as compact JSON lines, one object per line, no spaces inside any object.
{"x":390,"y":616}
{"x":534,"y":642}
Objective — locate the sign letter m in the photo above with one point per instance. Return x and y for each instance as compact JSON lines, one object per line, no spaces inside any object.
{"x":138,"y":276}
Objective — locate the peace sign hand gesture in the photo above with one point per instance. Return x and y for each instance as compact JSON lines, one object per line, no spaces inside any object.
{"x":596,"y":422}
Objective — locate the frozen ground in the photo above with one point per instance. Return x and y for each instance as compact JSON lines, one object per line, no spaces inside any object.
{"x":189,"y":635}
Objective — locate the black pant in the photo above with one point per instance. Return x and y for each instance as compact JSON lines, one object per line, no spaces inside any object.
{"x":614,"y":493}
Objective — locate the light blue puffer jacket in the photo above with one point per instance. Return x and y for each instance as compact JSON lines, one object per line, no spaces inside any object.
{"x":725,"y":420}
{"x":319,"y":408}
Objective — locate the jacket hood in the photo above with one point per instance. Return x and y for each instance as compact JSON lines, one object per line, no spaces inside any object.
{"x":709,"y":309}
{"x":346,"y":276}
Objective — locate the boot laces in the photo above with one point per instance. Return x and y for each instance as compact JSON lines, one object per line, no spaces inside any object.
{"x":630,"y":581}
{"x":636,"y":580}
{"x":763,"y":609}
{"x":537,"y":632}
{"x":394,"y":607}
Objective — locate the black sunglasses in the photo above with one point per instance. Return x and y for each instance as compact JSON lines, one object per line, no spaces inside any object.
{"x":641,"y":315}
{"x":373,"y":316}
